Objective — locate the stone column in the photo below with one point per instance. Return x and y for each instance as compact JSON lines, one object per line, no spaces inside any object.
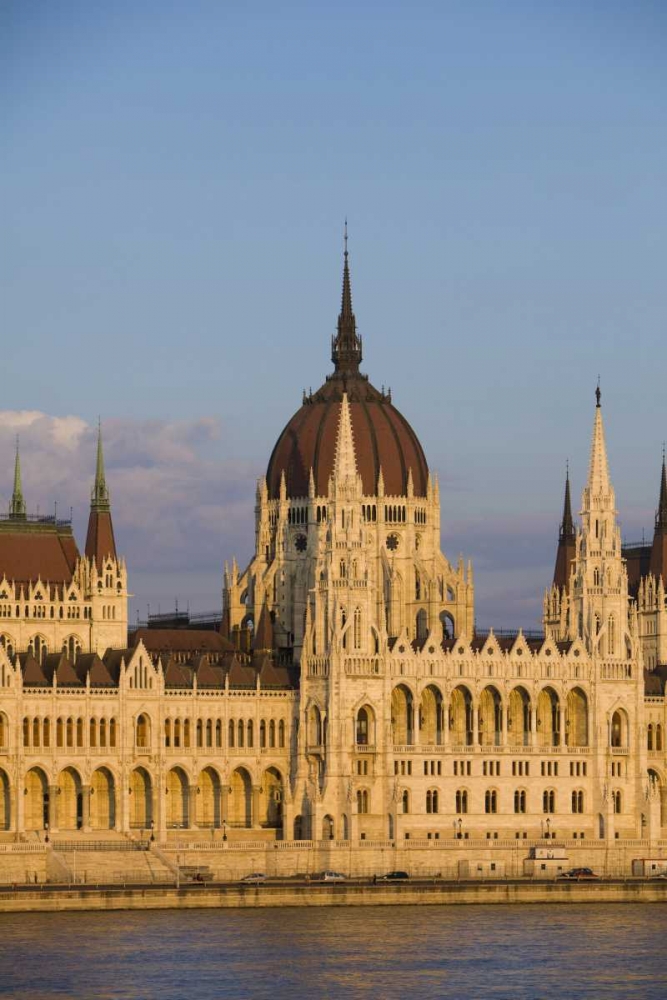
{"x":53,"y":808}
{"x":192,"y":807}
{"x":475,"y":726}
{"x":85,"y":808}
{"x":224,"y":804}
{"x":255,"y":805}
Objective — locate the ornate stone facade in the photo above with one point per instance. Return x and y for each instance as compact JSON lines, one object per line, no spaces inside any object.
{"x":349,"y":696}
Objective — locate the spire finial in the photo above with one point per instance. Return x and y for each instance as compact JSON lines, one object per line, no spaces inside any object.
{"x":346,"y":347}
{"x":99,"y":498}
{"x":598,"y":394}
{"x":17,"y":507}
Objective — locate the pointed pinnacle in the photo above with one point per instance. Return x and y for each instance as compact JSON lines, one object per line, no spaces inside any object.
{"x":99,"y":499}
{"x":661,"y":516}
{"x":17,"y":507}
{"x":567,"y":524}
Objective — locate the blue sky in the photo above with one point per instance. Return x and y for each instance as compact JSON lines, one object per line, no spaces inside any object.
{"x":175,"y":177}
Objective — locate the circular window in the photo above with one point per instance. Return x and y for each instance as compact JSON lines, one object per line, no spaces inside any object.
{"x":547,"y":652}
{"x":461,"y":650}
{"x":519,"y":652}
{"x":576,"y":652}
{"x":392,"y":542}
{"x":431,"y":649}
{"x":301,"y":543}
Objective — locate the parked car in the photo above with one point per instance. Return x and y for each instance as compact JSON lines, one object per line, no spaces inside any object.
{"x":331,"y":877}
{"x":254,"y":877}
{"x":391,"y":877}
{"x":662,"y":875}
{"x":579,"y":875}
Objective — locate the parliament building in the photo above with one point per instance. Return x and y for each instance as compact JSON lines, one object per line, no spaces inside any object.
{"x":345,"y":694}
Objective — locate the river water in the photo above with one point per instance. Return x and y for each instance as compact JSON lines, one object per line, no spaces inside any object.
{"x":464,"y":952}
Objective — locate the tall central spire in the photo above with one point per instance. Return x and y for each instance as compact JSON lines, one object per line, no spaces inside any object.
{"x":17,"y":507}
{"x":346,"y":345}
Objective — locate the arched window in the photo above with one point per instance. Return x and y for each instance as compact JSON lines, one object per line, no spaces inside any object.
{"x":272,"y":733}
{"x":262,"y":734}
{"x":70,"y":732}
{"x":230,"y":733}
{"x":577,"y":802}
{"x":26,"y":732}
{"x":112,"y":732}
{"x":362,"y":801}
{"x":200,"y":733}
{"x":103,"y":732}
{"x":356,"y":625}
{"x":649,"y":736}
{"x":548,"y":801}
{"x":250,"y":733}
{"x":618,"y":802}
{"x":186,"y":732}
{"x":363,"y":727}
{"x":519,"y":801}
{"x":79,"y":732}
{"x":240,"y":733}
{"x":218,"y":733}
{"x":281,"y":734}
{"x":611,"y":636}
{"x":406,"y":801}
{"x":143,"y":732}
{"x":462,"y":801}
{"x":432,"y":801}
{"x":658,"y":737}
{"x":491,"y":801}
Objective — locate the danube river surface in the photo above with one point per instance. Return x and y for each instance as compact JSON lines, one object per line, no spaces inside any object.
{"x":523,"y":951}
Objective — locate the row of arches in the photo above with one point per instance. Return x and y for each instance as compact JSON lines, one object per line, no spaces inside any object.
{"x":205,"y":802}
{"x":491,"y":720}
{"x":66,"y":732}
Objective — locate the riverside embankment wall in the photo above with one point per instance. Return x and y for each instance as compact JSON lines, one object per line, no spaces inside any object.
{"x":432,"y":894}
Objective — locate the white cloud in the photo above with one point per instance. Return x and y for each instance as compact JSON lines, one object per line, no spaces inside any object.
{"x":177,"y":504}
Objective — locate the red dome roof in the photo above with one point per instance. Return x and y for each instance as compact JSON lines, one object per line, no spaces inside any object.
{"x":382,"y":439}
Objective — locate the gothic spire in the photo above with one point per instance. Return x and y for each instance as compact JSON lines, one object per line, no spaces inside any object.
{"x":661,"y":514}
{"x":100,"y":542}
{"x":99,"y":498}
{"x":346,"y":345}
{"x":599,"y":482}
{"x":566,"y":540}
{"x":345,"y":462}
{"x":17,"y":507}
{"x":567,"y":524}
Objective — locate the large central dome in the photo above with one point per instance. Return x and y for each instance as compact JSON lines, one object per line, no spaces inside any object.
{"x":383,"y":439}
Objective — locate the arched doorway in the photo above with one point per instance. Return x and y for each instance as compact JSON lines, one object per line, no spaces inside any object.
{"x":5,"y":802}
{"x":36,"y":815}
{"x":208,"y":798}
{"x":141,"y":799}
{"x":402,"y":716}
{"x":70,"y":800}
{"x":271,"y":799}
{"x":328,"y":828}
{"x":431,"y":716}
{"x":576,"y":721}
{"x":102,"y":800}
{"x":460,"y":715}
{"x":177,"y":798}
{"x":518,"y":717}
{"x":240,"y":806}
